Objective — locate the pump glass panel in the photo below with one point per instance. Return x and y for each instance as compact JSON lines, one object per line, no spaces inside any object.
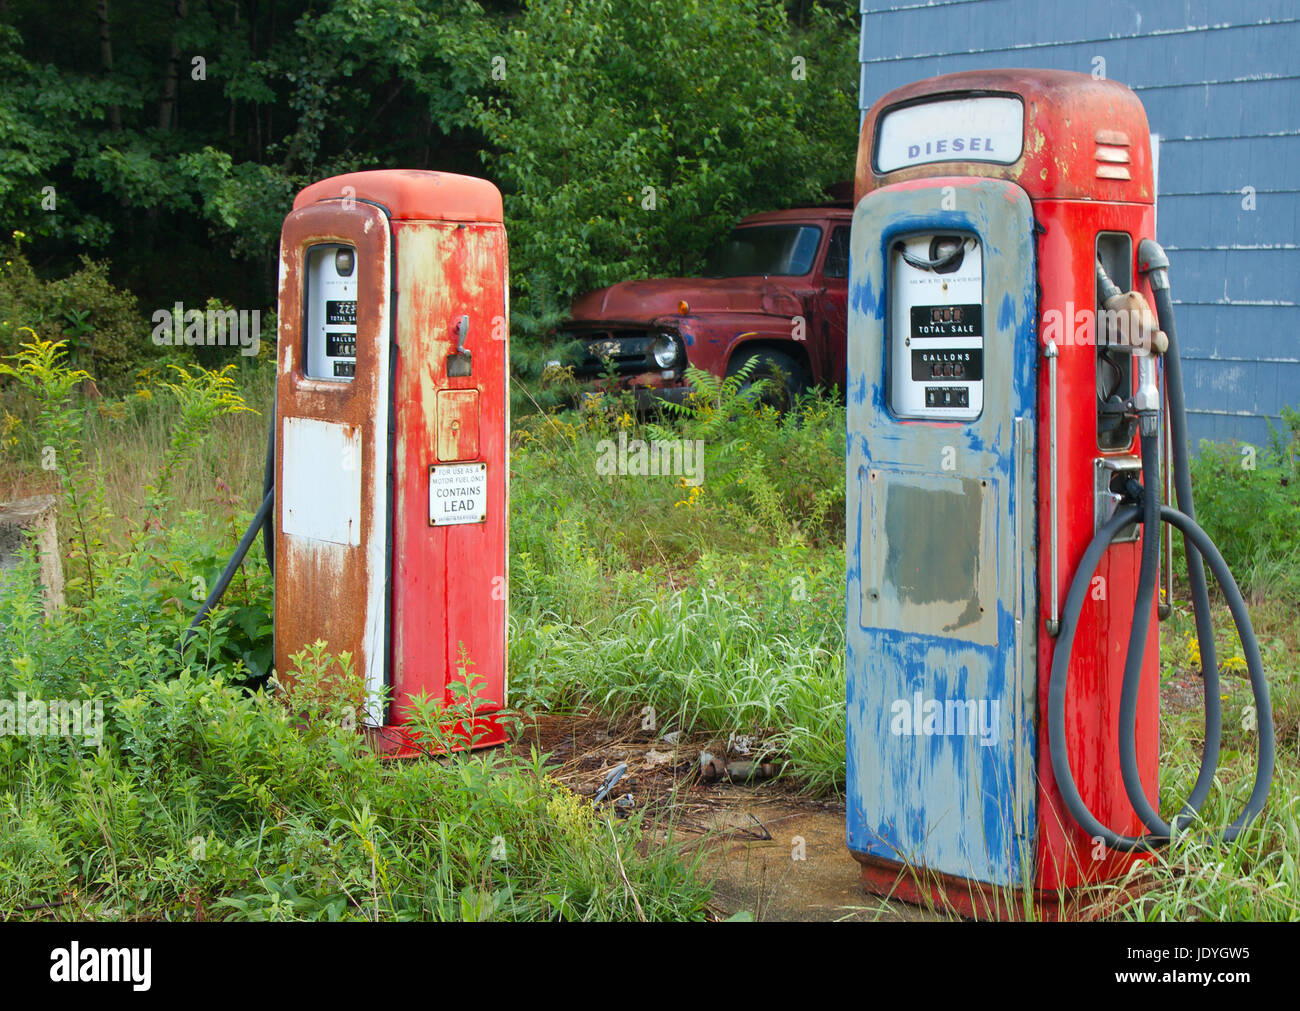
{"x":936,"y":327}
{"x":331,"y":310}
{"x":977,"y":128}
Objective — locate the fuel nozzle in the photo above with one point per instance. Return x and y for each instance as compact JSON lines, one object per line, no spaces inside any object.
{"x":1126,"y":323}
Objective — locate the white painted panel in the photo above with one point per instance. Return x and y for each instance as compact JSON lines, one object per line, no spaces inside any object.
{"x":321,"y":481}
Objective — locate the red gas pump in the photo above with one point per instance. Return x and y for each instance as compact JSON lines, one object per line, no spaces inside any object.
{"x":386,"y":493}
{"x":1004,"y":456}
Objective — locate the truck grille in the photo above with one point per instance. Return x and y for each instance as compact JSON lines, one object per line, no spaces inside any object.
{"x":630,"y":351}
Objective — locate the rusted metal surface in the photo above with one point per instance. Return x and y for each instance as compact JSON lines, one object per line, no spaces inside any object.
{"x":449,"y":582}
{"x":419,"y":605}
{"x":411,"y":194}
{"x":458,"y":419}
{"x":325,"y":589}
{"x":1085,"y":139}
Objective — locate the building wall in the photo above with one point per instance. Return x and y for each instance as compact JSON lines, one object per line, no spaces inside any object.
{"x":1220,"y":80}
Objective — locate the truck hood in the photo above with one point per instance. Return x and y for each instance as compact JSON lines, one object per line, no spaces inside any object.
{"x":648,"y":300}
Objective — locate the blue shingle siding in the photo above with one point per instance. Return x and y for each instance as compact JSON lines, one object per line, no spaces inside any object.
{"x":1220,"y":80}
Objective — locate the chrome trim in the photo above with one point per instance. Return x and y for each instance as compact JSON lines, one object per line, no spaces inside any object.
{"x":1054,"y":619}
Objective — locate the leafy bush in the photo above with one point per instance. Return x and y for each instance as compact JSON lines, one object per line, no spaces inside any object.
{"x":1248,"y":501}
{"x":100,"y":325}
{"x":779,"y":474}
{"x":629,"y":134}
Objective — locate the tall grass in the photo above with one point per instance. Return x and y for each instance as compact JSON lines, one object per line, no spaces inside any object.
{"x":197,"y":798}
{"x":720,"y":605}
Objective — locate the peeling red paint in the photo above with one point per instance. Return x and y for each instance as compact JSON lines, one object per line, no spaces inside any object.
{"x":447,"y":590}
{"x":1074,"y":125}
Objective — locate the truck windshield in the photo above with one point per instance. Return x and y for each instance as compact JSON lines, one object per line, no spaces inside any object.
{"x":786,"y":250}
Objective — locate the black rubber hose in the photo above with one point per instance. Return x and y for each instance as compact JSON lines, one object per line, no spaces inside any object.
{"x":1148,"y":581}
{"x":268,"y":485}
{"x":1057,"y":687}
{"x":1197,"y":548}
{"x":1059,"y":683}
{"x":232,"y":566}
{"x":1196,"y":584}
{"x":1265,"y":754}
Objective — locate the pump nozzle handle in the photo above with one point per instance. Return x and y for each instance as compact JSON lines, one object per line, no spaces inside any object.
{"x":1108,"y":288}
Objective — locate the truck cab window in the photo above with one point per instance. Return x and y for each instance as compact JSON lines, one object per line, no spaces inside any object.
{"x":837,"y":254}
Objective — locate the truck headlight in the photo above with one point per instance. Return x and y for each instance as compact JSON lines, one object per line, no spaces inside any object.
{"x":664,"y":351}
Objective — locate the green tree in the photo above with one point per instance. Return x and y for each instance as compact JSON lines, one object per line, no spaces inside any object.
{"x":629,"y":134}
{"x":171,"y":135}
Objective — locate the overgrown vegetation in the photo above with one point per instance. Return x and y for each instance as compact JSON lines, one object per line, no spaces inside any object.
{"x":625,"y":135}
{"x":616,"y":128}
{"x":99,"y":325}
{"x":1248,"y":500}
{"x":719,"y":603}
{"x":197,"y":798}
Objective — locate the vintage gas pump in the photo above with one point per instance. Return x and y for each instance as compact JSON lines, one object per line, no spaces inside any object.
{"x":385,"y":496}
{"x":1004,"y":442}
{"x":390,"y":460}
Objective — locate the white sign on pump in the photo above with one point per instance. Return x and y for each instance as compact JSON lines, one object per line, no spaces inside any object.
{"x":457,"y":494}
{"x":981,"y":128}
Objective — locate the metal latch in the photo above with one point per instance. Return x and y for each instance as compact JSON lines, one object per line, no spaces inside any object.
{"x":460,"y":362}
{"x":1110,"y":476}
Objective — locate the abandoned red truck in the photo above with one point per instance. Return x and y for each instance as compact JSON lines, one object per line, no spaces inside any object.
{"x":775,"y":294}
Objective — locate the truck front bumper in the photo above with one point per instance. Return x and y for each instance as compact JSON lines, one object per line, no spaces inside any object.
{"x":650,"y":388}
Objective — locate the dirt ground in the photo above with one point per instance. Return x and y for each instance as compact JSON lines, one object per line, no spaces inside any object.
{"x":771,"y":853}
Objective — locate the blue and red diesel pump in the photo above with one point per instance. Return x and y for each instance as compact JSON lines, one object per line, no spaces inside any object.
{"x":1011,"y":399}
{"x":385,"y":498}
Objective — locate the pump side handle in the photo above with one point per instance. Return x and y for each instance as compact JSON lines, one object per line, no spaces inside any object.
{"x":460,"y":362}
{"x":1199,"y":550}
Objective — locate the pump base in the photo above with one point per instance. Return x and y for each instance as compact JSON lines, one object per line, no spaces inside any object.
{"x":975,"y":900}
{"x":394,"y":741}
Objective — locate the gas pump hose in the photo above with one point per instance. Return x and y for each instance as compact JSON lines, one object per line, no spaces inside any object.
{"x":262,"y":522}
{"x":1197,"y":547}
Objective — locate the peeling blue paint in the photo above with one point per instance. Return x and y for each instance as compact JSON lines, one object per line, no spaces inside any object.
{"x":945,"y":801}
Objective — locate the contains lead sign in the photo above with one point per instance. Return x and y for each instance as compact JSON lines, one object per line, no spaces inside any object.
{"x":458,"y":494}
